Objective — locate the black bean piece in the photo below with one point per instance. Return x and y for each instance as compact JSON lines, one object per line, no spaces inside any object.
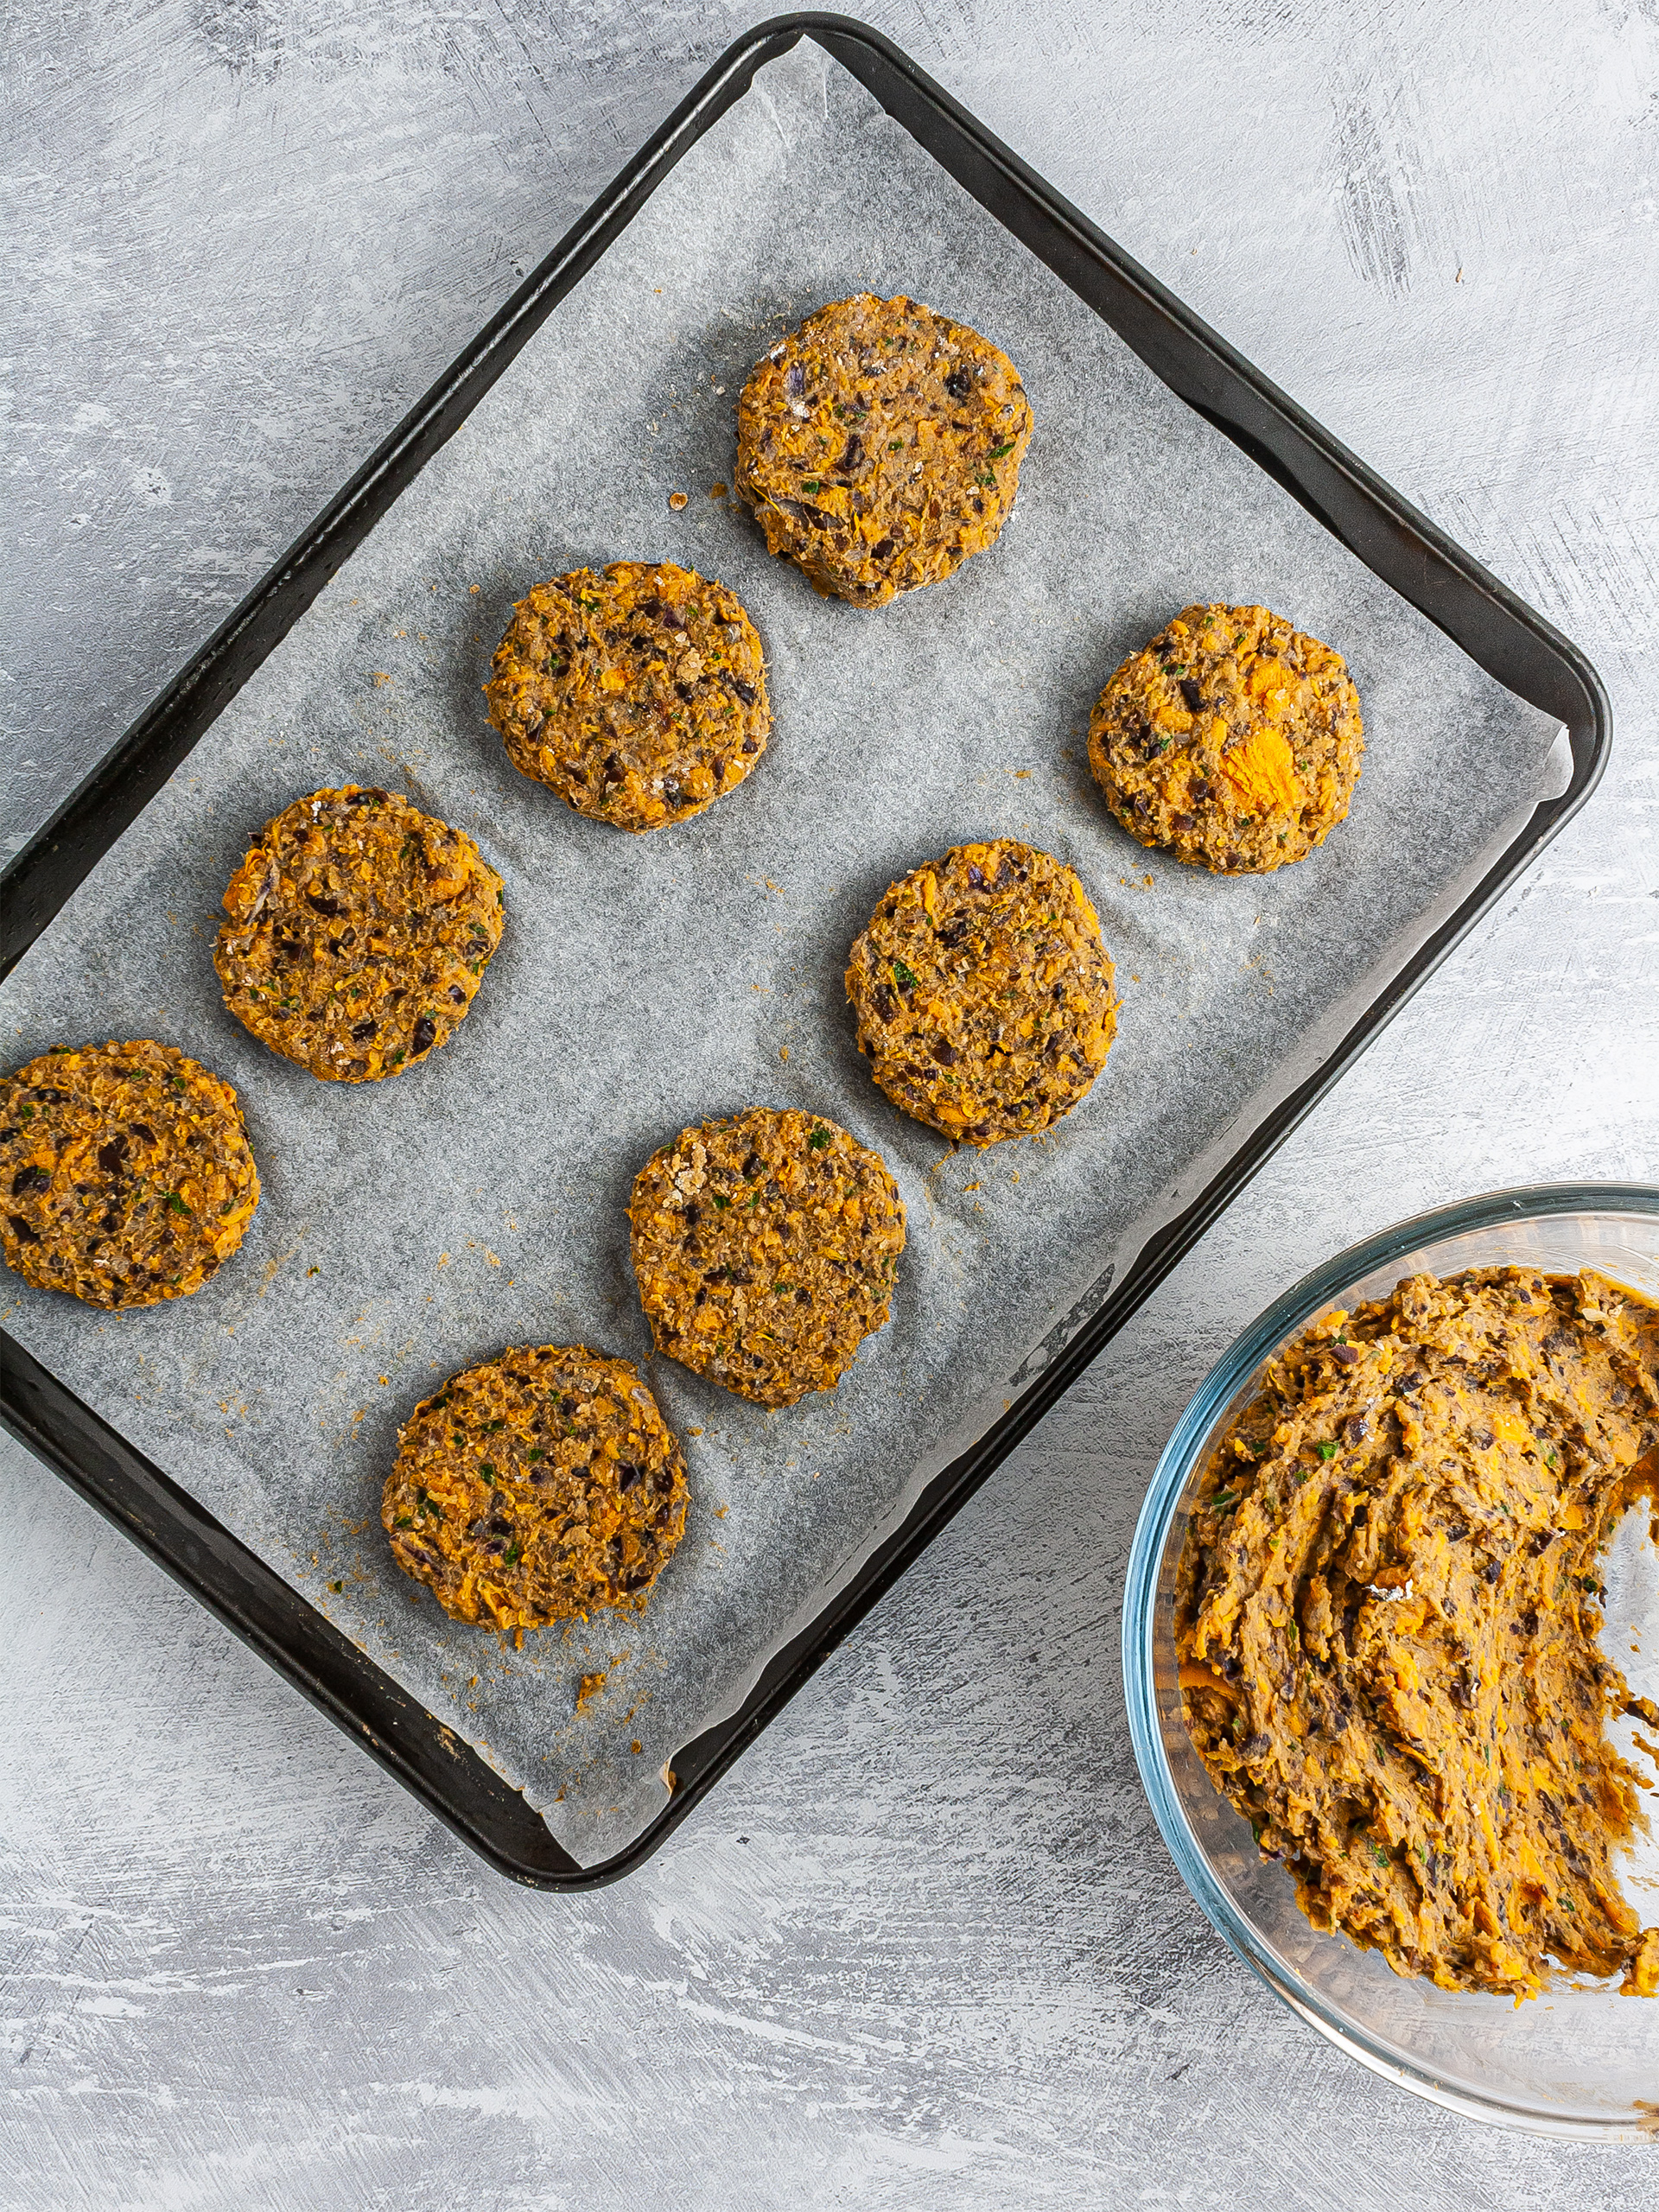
{"x":425,"y":1032}
{"x":1357,"y":1428}
{"x":1192,"y":693}
{"x":853,"y":453}
{"x":745,"y":692}
{"x":1200,"y":787}
{"x":958,"y":384}
{"x":1181,"y":824}
{"x":21,"y":1229}
{"x":803,"y":1298}
{"x":457,"y":995}
{"x":362,"y":1029}
{"x":321,"y":903}
{"x":44,"y":1090}
{"x":1345,"y":1355}
{"x":946,"y":1055}
{"x":627,"y":1474}
{"x":368,"y":798}
{"x":29,"y":1178}
{"x":795,"y":380}
{"x":1493,"y":1568}
{"x":111,"y":1155}
{"x":142,"y":1130}
{"x":684,"y":691}
{"x":886,"y":1004}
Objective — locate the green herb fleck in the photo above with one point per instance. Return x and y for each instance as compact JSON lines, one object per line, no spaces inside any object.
{"x":997,"y":452}
{"x":1327,"y":1451}
{"x":819,"y":1138}
{"x":176,"y":1202}
{"x":336,"y":1585}
{"x":515,"y":1553}
{"x":722,"y":1202}
{"x":905,"y":975}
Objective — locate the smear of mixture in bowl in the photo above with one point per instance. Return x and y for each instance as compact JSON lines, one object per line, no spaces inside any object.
{"x":1387,"y":1613}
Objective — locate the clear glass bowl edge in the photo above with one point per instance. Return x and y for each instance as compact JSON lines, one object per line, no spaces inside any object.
{"x":1294,"y":1307}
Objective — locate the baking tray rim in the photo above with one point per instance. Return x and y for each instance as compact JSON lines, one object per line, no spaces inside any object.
{"x":1408,"y":551}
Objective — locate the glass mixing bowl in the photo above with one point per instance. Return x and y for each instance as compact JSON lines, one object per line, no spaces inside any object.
{"x":1580,"y":2059}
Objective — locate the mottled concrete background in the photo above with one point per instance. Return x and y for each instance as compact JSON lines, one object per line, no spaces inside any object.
{"x":924,"y":1948}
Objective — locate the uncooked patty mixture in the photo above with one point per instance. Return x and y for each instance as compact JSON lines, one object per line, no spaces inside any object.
{"x":638,"y":696}
{"x":359,"y":928}
{"x":1386,"y":1615}
{"x":1232,"y":739}
{"x":125,"y":1173}
{"x":765,"y":1248}
{"x":538,"y":1485}
{"x":880,"y":445}
{"x":982,"y":992}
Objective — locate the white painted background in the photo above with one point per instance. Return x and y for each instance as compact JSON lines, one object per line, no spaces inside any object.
{"x":923,"y":1949}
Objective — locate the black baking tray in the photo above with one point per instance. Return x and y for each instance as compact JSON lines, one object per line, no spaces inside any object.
{"x":1491,"y":624}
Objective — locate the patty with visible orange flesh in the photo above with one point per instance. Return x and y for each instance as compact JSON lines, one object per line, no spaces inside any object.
{"x":537,"y":1486}
{"x":982,"y":992}
{"x":1232,"y":738}
{"x":880,"y":445}
{"x":359,"y":928}
{"x":765,"y":1248}
{"x":125,"y":1173}
{"x":638,"y":696}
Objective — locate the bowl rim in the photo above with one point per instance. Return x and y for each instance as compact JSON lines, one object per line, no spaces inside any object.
{"x":1287,"y":1312}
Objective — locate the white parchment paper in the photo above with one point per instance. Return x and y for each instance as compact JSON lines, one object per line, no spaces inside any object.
{"x":410,"y":1228}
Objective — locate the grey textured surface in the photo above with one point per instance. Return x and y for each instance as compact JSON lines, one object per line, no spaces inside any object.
{"x":924,"y":1947}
